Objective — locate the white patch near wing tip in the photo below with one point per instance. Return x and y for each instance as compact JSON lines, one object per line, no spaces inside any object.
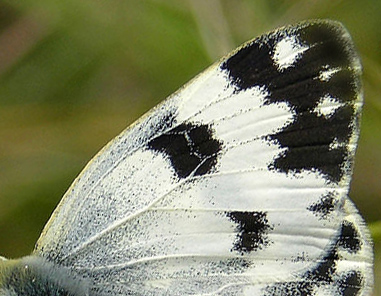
{"x":327,"y":106}
{"x":287,"y":52}
{"x":335,"y":144}
{"x":327,"y":73}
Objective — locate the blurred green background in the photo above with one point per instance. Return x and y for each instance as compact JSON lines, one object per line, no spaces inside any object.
{"x":73,"y":74}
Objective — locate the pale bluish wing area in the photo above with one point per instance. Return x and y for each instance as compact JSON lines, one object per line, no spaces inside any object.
{"x":236,"y":185}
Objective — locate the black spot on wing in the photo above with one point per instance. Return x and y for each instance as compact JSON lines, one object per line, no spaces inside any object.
{"x":350,"y":284}
{"x":252,"y":228}
{"x":251,"y":65}
{"x":323,"y":275}
{"x":191,"y":148}
{"x":290,"y":288}
{"x":349,"y":237}
{"x":325,"y":206}
{"x":333,"y":50}
{"x":325,"y":270}
{"x":310,"y":138}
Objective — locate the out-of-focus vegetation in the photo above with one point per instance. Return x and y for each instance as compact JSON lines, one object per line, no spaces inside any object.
{"x":73,"y":74}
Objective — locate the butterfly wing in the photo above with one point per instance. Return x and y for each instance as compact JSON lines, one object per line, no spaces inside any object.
{"x":235,"y":185}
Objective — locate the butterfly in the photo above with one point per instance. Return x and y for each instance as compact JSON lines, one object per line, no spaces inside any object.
{"x":237,"y":184}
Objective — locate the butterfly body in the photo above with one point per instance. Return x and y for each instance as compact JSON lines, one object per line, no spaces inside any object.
{"x":35,"y":276}
{"x":235,"y":185}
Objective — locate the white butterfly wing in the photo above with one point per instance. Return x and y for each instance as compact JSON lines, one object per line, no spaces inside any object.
{"x":236,"y":185}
